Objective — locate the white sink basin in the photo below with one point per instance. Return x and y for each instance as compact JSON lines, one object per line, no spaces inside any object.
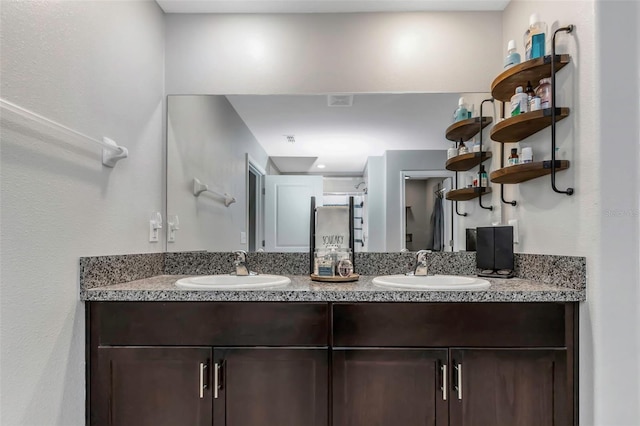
{"x":232,"y":282}
{"x":430,"y":282}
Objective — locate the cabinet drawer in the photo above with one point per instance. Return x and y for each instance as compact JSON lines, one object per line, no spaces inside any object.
{"x":210,"y":323}
{"x":449,"y":324}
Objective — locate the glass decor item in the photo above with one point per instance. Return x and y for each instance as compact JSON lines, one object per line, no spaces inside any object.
{"x":345,"y":268}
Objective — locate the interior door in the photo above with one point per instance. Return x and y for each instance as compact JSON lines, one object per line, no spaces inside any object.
{"x":288,"y":211}
{"x":524,"y":387}
{"x":272,"y":387}
{"x":389,"y":387}
{"x":153,"y":386}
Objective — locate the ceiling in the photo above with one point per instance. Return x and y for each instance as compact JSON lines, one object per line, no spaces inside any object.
{"x":327,"y":6}
{"x":342,"y":138}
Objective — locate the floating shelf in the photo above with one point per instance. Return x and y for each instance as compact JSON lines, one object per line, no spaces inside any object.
{"x":466,"y":129}
{"x":515,"y":129}
{"x":524,"y":172}
{"x":464,"y":162}
{"x":466,"y":194}
{"x":504,"y":85}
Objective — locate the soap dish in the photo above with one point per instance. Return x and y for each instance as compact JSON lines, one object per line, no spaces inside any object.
{"x":336,"y":279}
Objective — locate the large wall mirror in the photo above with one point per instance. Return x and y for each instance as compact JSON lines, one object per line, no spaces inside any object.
{"x":241,"y":170}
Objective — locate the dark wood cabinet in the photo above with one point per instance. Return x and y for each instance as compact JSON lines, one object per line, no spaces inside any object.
{"x":172,"y":364}
{"x":524,"y":387}
{"x":271,"y":387}
{"x":344,"y":364}
{"x":389,"y":387}
{"x":152,"y":386}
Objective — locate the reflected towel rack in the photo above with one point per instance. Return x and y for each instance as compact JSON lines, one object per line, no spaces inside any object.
{"x":199,"y":188}
{"x":111,"y":152}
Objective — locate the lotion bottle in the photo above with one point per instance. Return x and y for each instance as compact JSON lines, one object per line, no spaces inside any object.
{"x":519,"y":104}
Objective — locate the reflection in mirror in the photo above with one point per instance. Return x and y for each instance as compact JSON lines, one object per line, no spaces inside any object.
{"x":273,"y":152}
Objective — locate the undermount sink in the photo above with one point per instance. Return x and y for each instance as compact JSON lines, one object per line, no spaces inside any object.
{"x":232,"y":282}
{"x":430,"y":282}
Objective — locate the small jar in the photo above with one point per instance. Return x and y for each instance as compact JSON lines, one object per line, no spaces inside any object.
{"x":544,"y":92}
{"x":452,"y":152}
{"x":462,"y":149}
{"x":534,"y":103}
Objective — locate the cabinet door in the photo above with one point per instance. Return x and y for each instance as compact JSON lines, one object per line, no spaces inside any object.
{"x":271,"y":387}
{"x":389,"y":387}
{"x":524,"y":387}
{"x":152,"y":386}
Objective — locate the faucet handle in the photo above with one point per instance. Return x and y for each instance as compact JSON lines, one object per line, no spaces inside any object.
{"x":241,"y":255}
{"x":421,"y":256}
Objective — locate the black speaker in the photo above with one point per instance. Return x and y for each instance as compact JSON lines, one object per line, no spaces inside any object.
{"x":495,"y":251}
{"x":503,"y":248}
{"x":485,"y":248}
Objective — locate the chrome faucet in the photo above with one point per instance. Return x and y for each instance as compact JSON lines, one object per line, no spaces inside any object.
{"x":240,"y":263}
{"x":421,"y":262}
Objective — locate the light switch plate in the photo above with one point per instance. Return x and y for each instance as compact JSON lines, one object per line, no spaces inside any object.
{"x":243,"y":237}
{"x":153,"y":232}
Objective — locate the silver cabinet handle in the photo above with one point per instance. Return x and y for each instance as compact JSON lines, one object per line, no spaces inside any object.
{"x":444,"y":381}
{"x":203,"y":385}
{"x":216,"y":380}
{"x":459,"y":387}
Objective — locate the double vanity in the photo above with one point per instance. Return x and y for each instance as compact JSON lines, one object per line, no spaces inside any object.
{"x":298,"y":353}
{"x":401,"y":282}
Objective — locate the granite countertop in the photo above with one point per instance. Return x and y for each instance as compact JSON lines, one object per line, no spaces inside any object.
{"x":302,"y":289}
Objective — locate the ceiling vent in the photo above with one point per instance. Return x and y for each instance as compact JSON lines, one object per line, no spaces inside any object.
{"x":340,"y":100}
{"x":290,"y":138}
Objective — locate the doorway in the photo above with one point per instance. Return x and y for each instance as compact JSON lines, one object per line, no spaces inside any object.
{"x":427,"y":222}
{"x":255,"y":206}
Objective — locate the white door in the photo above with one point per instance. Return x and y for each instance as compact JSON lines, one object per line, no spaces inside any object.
{"x":288,"y":210}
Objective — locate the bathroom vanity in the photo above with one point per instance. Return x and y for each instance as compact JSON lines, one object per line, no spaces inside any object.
{"x":313,"y":355}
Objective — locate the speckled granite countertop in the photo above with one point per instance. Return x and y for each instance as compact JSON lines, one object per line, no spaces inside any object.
{"x":302,"y":289}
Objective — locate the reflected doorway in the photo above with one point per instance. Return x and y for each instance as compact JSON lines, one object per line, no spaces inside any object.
{"x":255,"y":206}
{"x":428,"y":222}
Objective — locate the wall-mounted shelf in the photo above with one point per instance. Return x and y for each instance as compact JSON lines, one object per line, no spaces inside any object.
{"x":504,"y":85}
{"x":515,"y":129}
{"x":466,"y":129}
{"x":464,"y":162}
{"x":466,"y":194}
{"x":524,"y":172}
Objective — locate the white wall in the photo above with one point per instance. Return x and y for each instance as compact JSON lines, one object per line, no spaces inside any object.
{"x":207,"y":139}
{"x":96,"y":67}
{"x":319,"y":53}
{"x":613,"y":310}
{"x":568,"y":225}
{"x":599,"y":220}
{"x":343,"y":184}
{"x":376,"y":198}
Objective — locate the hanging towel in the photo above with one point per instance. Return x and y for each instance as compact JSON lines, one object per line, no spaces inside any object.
{"x":332,"y":227}
{"x":437,"y":223}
